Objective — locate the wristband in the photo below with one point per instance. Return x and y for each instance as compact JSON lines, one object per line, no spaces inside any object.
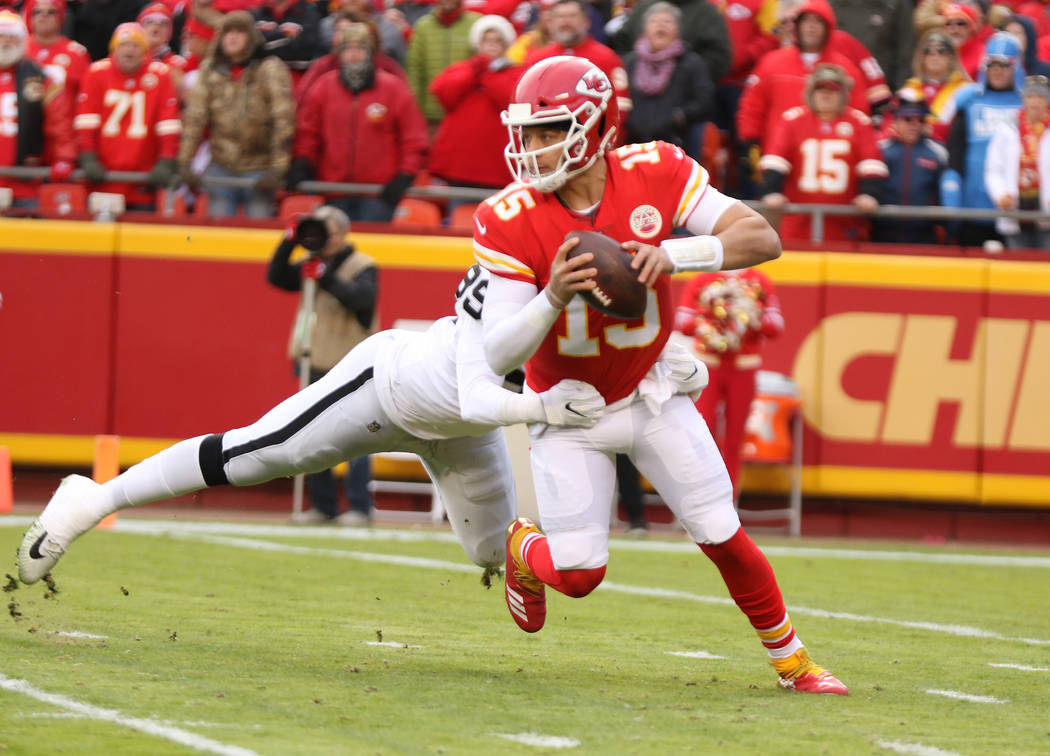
{"x":703,"y":254}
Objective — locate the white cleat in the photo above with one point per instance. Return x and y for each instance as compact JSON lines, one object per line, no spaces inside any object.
{"x":65,"y":518}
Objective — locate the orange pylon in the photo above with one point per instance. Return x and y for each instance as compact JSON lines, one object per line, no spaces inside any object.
{"x":106,"y":467}
{"x":7,"y":497}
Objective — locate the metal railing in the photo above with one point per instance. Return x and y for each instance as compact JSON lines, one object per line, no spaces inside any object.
{"x":476,"y":194}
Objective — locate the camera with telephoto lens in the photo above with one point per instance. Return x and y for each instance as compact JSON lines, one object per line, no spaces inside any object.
{"x":312,"y":233}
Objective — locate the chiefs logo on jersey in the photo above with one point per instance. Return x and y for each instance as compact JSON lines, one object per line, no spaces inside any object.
{"x":844,"y":129}
{"x":593,"y":83}
{"x":646,"y":221}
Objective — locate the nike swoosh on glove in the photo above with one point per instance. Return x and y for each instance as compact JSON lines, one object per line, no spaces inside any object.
{"x":572,"y":403}
{"x":686,"y":372}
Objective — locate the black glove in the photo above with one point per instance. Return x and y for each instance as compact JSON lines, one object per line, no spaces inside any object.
{"x":395,"y":188}
{"x":190,"y":179}
{"x":300,"y":171}
{"x":93,"y":169}
{"x":268,"y":182}
{"x":162,"y":173}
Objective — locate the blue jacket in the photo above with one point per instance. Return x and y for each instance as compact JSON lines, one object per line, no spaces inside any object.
{"x":915,"y":172}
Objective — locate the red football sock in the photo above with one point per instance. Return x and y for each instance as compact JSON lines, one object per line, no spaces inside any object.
{"x":750,"y":579}
{"x":575,"y":583}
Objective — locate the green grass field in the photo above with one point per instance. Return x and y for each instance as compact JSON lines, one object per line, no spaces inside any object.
{"x":236,"y":639}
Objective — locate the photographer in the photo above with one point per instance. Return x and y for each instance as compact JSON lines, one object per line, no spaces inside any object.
{"x":347,"y":287}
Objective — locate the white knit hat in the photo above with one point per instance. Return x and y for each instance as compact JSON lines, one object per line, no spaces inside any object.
{"x":490,"y":23}
{"x":12,"y":25}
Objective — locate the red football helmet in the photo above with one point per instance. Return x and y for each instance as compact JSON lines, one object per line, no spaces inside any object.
{"x":563,"y":90}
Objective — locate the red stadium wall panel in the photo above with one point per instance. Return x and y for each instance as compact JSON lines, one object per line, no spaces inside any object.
{"x":921,"y":377}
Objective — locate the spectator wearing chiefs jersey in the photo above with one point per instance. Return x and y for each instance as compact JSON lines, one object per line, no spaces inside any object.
{"x":35,"y":124}
{"x":440,"y":38}
{"x":468,"y":146}
{"x":243,"y":98}
{"x":961,"y":24}
{"x":292,"y":31}
{"x":571,"y":35}
{"x":360,"y":125}
{"x":703,"y":30}
{"x":938,"y":78}
{"x":64,"y":60}
{"x":823,"y":153}
{"x":91,"y":22}
{"x":670,"y":86}
{"x":128,"y":118}
{"x":729,"y":315}
{"x":778,"y":80}
{"x":156,"y":21}
{"x":915,"y":162}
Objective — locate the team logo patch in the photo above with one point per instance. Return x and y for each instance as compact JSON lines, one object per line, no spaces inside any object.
{"x":646,"y":221}
{"x":62,"y":60}
{"x":844,"y":129}
{"x":375,"y":112}
{"x":33,"y":90}
{"x":594,"y":83}
{"x":374,"y":427}
{"x":149,"y":81}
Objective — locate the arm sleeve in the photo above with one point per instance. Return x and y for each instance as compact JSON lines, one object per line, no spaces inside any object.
{"x":280,"y":273}
{"x":957,"y":143}
{"x":516,"y":319}
{"x":87,"y":123}
{"x":482,"y":398}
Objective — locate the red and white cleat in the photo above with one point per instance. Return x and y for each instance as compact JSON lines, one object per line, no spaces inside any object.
{"x":525,"y":593}
{"x":799,"y":672}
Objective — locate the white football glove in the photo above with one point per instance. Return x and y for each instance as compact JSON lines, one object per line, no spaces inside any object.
{"x":688,"y":375}
{"x":575,"y":404}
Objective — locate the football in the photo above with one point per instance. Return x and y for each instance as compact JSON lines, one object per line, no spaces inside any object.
{"x":618,"y":293}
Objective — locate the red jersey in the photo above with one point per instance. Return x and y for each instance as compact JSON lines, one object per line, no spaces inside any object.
{"x":50,"y":116}
{"x":750,"y":24}
{"x":65,"y":61}
{"x":824,"y":162}
{"x":129,"y":121}
{"x":650,"y":189}
{"x":598,"y":54}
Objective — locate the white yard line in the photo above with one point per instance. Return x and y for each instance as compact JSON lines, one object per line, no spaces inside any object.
{"x":960,"y":696}
{"x":78,"y":634}
{"x":1022,"y":667}
{"x":694,"y":654}
{"x":147,"y":726}
{"x":538,"y":740}
{"x":913,"y":749}
{"x":392,"y":644}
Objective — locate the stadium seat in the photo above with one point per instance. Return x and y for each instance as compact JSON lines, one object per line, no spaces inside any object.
{"x":298,"y":203}
{"x":62,"y":199}
{"x":416,"y":212}
{"x":462,"y":217}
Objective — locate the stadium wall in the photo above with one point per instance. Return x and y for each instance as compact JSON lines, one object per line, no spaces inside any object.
{"x":923,"y":377}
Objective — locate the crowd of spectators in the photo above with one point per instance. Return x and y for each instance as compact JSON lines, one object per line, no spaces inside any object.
{"x":852,"y":102}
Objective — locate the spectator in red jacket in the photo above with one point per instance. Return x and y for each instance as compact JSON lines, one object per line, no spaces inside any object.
{"x":729,"y":316}
{"x":64,"y":60}
{"x":571,"y":32}
{"x":360,"y":125}
{"x":960,"y":23}
{"x":37,"y":129}
{"x":778,"y":80}
{"x":468,"y":146}
{"x":156,"y":21}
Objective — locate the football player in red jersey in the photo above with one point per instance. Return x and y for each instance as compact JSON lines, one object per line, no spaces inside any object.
{"x":826,"y":153}
{"x":563,"y":121}
{"x":128,"y":118}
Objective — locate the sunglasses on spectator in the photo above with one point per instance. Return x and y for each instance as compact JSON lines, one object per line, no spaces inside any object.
{"x":1000,"y":64}
{"x":936,"y":51}
{"x":958,"y":22}
{"x":910,"y":118}
{"x":44,"y":12}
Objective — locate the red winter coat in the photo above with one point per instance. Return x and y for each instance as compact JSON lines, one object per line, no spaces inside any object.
{"x":750,"y":24}
{"x":330,"y":62}
{"x":468,"y":146}
{"x":604,"y":57}
{"x":368,"y":137}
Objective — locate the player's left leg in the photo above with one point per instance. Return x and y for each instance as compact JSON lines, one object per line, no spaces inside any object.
{"x":674,"y":450}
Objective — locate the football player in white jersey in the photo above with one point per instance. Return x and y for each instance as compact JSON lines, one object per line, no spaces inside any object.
{"x":429,"y":393}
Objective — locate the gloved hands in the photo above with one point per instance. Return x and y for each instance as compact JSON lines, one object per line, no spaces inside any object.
{"x":395,"y":189}
{"x":189,"y":178}
{"x":162,"y":173}
{"x":572,"y":403}
{"x":300,"y":171}
{"x":688,"y":375}
{"x":292,"y":225}
{"x":270,"y":181}
{"x":314,"y":267}
{"x":93,"y":170}
{"x":61,"y":170}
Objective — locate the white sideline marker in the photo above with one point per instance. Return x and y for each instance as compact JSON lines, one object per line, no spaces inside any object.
{"x":959,"y":696}
{"x":694,"y":654}
{"x":538,"y":740}
{"x":147,"y":726}
{"x":78,"y":634}
{"x":1022,"y":667}
{"x":913,"y":749}
{"x":392,"y":644}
